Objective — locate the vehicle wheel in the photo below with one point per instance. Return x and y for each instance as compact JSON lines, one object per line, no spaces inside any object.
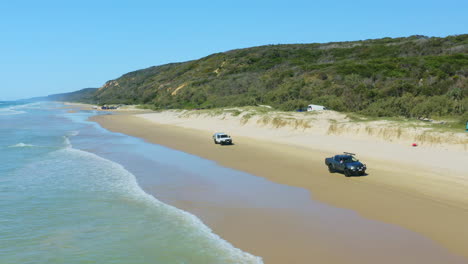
{"x":331,"y":169}
{"x":215,"y":142}
{"x":347,"y":173}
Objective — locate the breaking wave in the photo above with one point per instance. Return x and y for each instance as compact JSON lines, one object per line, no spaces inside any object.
{"x":10,"y":111}
{"x":22,"y":145}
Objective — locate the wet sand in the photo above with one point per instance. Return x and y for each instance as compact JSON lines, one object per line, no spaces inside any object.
{"x":288,"y":236}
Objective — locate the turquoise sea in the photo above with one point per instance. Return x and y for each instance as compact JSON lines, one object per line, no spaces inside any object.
{"x":66,"y":198}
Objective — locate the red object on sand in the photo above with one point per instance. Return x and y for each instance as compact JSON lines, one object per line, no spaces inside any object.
{"x":414,"y":145}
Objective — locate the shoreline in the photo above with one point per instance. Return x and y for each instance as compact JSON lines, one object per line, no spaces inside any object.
{"x":441,"y":220}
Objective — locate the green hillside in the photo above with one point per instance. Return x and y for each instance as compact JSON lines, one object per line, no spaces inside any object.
{"x":414,"y":76}
{"x":83,"y":95}
{"x":86,"y":95}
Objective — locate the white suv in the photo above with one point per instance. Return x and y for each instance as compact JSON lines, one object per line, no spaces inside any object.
{"x":222,"y":138}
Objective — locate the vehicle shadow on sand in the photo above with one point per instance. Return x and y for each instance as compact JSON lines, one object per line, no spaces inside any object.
{"x":226,"y":145}
{"x":351,"y":176}
{"x":360,"y":175}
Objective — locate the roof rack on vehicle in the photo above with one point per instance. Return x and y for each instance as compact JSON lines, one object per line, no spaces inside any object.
{"x":349,"y":153}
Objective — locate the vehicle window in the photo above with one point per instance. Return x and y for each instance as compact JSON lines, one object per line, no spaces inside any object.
{"x":336,"y":158}
{"x":349,"y":159}
{"x":224,"y":136}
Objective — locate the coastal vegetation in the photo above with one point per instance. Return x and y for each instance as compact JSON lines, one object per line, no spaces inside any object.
{"x":83,"y":95}
{"x":411,"y":77}
{"x":391,"y":129}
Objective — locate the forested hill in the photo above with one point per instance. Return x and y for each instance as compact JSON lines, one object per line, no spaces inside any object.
{"x":83,"y":95}
{"x":413,"y":76}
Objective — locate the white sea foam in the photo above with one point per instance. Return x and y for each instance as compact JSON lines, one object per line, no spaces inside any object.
{"x":69,"y":174}
{"x":10,"y":111}
{"x":66,"y":139}
{"x":84,"y":174}
{"x":19,"y":109}
{"x":66,"y":142}
{"x":114,"y":178}
{"x":21,"y":145}
{"x":37,"y":105}
{"x":73,"y":133}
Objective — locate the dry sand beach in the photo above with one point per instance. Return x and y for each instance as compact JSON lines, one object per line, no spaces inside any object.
{"x":422,"y":189}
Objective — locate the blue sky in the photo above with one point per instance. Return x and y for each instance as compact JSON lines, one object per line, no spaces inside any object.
{"x":49,"y":47}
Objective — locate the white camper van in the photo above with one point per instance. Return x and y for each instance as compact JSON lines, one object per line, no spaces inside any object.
{"x":312,"y":107}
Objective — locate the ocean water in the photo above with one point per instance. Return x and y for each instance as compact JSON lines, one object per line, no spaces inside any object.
{"x":66,"y":198}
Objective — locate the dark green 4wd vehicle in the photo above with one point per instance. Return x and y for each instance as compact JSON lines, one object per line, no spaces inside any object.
{"x":346,"y":163}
